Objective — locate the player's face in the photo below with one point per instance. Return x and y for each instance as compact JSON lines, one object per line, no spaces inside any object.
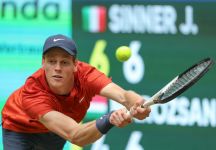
{"x":59,"y":68}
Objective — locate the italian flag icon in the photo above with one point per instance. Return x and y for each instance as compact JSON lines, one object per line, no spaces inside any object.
{"x":94,"y":18}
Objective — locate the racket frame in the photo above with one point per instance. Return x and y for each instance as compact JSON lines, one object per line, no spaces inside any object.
{"x":156,"y":97}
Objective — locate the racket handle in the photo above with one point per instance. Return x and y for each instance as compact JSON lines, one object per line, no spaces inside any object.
{"x":146,"y":104}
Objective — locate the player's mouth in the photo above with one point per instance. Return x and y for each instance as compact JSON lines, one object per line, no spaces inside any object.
{"x":57,"y":77}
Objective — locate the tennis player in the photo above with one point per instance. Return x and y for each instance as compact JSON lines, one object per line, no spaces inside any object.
{"x":47,"y":109}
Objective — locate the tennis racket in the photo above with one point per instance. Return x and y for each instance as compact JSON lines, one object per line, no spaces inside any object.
{"x":180,"y":83}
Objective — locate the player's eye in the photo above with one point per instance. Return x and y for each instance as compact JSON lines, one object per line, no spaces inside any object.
{"x":51,"y":61}
{"x":65,"y":62}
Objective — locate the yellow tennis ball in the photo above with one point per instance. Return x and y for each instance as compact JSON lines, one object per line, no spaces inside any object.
{"x":123,"y":53}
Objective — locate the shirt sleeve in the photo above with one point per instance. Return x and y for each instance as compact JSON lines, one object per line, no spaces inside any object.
{"x":97,"y":81}
{"x":94,"y":80}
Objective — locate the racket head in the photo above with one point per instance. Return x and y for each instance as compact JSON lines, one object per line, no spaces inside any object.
{"x":170,"y":91}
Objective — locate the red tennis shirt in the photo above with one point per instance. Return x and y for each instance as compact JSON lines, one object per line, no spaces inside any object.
{"x":34,"y":99}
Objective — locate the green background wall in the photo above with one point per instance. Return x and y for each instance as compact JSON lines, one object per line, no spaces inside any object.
{"x":162,"y":48}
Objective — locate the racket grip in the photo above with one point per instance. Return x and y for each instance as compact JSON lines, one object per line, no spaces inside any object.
{"x":129,"y":112}
{"x":146,"y":104}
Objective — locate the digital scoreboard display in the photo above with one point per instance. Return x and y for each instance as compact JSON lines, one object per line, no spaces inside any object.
{"x":166,"y":37}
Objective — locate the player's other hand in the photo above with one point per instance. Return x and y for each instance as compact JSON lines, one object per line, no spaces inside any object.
{"x":120,"y":118}
{"x":139,"y":112}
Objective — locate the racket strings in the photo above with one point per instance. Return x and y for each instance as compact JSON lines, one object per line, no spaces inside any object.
{"x":185,"y":79}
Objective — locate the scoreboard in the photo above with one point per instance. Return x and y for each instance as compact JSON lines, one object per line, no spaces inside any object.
{"x":166,"y":37}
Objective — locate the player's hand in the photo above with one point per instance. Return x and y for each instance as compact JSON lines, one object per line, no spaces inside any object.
{"x":138,"y":112}
{"x":135,"y":110}
{"x":120,"y":118}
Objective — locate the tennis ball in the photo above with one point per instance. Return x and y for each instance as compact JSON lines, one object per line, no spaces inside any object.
{"x":123,"y":53}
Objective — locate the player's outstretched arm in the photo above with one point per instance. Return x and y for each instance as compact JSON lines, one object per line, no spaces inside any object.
{"x":83,"y":134}
{"x":130,"y":99}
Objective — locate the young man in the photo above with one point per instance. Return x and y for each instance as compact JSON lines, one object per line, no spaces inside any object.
{"x":47,"y":109}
